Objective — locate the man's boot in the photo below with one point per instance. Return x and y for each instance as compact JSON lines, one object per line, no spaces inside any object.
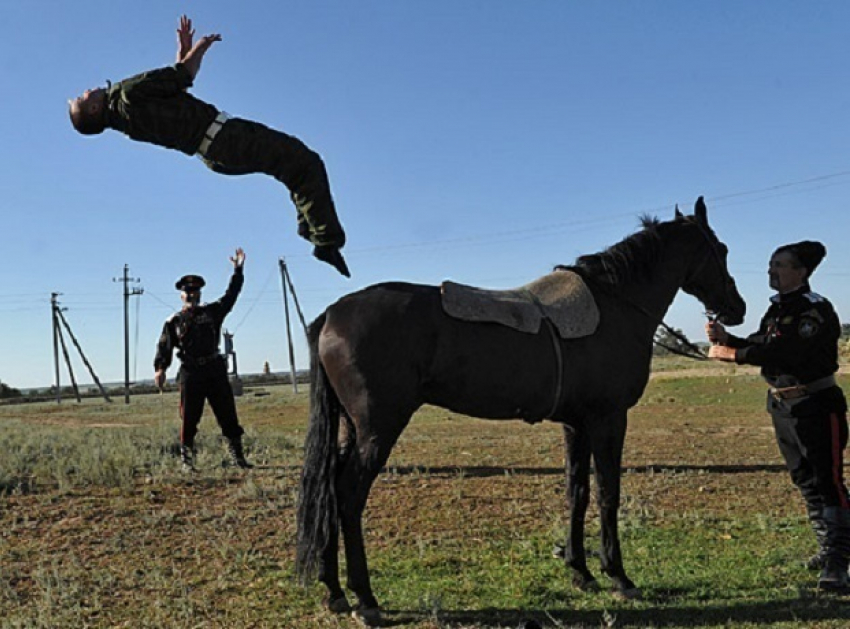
{"x":187,"y":459}
{"x":333,"y":256}
{"x":817,"y":561}
{"x":237,"y":454}
{"x":836,"y":551}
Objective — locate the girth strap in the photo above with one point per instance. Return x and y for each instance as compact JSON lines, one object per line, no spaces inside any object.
{"x":559,"y":368}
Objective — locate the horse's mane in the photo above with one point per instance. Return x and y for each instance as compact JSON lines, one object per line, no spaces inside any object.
{"x":631,"y":259}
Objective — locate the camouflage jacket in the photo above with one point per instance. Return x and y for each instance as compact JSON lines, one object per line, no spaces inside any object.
{"x":155,"y":107}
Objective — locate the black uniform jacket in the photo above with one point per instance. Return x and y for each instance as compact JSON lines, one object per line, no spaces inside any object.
{"x":796,"y":343}
{"x":155,"y":107}
{"x":195,"y":332}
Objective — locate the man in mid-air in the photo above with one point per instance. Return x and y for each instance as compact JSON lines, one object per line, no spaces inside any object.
{"x":156,"y":107}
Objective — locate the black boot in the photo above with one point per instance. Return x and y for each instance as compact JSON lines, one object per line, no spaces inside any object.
{"x":818,"y":560}
{"x":836,"y":551}
{"x":187,"y":458}
{"x":333,"y":256}
{"x":237,"y":455}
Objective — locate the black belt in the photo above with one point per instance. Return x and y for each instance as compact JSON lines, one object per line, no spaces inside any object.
{"x":802,"y":390}
{"x":192,"y":361}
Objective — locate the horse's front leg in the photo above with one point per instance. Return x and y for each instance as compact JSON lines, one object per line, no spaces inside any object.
{"x":577,"y":467}
{"x":607,"y":447}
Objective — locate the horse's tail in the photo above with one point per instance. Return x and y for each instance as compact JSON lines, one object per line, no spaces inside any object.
{"x":317,"y":501}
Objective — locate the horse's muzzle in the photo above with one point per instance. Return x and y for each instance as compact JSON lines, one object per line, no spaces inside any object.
{"x":735,"y":317}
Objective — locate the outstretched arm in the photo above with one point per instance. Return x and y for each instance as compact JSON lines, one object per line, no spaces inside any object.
{"x":189,"y":54}
{"x":227,"y":301}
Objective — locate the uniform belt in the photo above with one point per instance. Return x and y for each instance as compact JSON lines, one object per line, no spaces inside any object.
{"x":200,"y":362}
{"x":211,"y":132}
{"x":802,"y":390}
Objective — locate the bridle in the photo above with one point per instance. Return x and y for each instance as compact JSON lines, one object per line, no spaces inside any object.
{"x":691,"y":349}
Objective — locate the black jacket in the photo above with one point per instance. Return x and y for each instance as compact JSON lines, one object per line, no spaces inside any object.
{"x":798,"y":337}
{"x":195,"y":332}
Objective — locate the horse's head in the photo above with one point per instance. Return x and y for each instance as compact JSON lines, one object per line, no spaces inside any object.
{"x":707,"y":276}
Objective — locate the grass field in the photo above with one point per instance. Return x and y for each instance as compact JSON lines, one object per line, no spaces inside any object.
{"x":99,"y":529}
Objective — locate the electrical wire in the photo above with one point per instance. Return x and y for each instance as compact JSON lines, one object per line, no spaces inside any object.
{"x":256,"y":300}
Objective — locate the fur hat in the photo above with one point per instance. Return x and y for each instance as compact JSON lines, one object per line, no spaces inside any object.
{"x":808,"y":252}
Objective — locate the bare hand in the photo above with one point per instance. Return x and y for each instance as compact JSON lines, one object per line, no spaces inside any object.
{"x":159,"y":379}
{"x":192,"y":56}
{"x":185,"y":37}
{"x":205,"y":42}
{"x":239,"y":259}
{"x":716,"y":333}
{"x":722,"y":352}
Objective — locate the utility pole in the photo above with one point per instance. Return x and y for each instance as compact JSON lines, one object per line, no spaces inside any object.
{"x":54,"y":306}
{"x":289,"y":283}
{"x":283,"y":275}
{"x":128,"y":292}
{"x":59,"y":340}
{"x":82,"y":355}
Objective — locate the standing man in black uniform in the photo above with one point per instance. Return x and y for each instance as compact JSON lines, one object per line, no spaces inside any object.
{"x":796,"y":347}
{"x":195,"y":332}
{"x":155,"y":107}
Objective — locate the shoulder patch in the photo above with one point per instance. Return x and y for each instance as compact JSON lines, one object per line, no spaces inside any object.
{"x":808,"y":328}
{"x":813,"y":314}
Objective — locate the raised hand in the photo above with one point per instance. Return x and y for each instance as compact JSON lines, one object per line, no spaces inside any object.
{"x":185,"y":38}
{"x":239,"y":259}
{"x":192,"y":59}
{"x":206,"y":41}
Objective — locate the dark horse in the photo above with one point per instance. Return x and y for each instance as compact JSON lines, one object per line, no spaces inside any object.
{"x":379,"y":354}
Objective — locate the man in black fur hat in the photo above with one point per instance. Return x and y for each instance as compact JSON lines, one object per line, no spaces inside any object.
{"x":796,"y":347}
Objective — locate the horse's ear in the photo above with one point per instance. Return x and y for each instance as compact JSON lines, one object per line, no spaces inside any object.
{"x":700,"y":211}
{"x":678,"y":213}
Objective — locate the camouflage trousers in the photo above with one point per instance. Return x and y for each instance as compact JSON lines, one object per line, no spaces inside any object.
{"x":243,"y":147}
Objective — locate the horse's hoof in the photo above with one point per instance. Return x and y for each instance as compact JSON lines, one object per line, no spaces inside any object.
{"x":338,"y":605}
{"x":586,"y":585}
{"x":367,"y":616}
{"x":629,"y":594}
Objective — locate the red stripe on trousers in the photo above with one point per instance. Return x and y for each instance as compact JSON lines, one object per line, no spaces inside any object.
{"x":837,"y":466}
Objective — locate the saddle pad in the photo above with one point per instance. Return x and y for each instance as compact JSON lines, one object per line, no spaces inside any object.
{"x":562,"y":297}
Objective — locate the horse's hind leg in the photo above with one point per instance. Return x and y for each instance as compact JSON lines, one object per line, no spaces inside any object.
{"x":329,"y":573}
{"x":355,"y":482}
{"x":607,"y":446}
{"x":329,"y":562}
{"x":577,"y":454}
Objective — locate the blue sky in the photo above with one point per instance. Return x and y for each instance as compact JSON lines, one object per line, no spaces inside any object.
{"x":480,"y":141}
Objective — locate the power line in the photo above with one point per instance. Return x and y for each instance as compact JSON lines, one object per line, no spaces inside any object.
{"x":256,"y":300}
{"x":554,"y":228}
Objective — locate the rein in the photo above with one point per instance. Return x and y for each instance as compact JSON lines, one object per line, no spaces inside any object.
{"x":691,"y":350}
